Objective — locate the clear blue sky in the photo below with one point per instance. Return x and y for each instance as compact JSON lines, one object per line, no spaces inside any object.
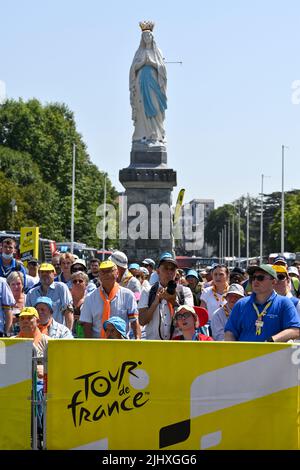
{"x":229,"y":104}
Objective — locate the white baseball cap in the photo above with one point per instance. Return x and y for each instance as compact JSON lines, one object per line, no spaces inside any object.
{"x":236,"y":289}
{"x":119,"y":258}
{"x":293,"y":270}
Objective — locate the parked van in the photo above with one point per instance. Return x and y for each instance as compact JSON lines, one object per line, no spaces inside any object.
{"x":79,"y":249}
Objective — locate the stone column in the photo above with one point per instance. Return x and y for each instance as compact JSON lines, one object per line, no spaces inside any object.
{"x":149,"y":182}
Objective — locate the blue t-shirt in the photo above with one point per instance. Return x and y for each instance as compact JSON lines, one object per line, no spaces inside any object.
{"x":281,"y":314}
{"x":13,"y":266}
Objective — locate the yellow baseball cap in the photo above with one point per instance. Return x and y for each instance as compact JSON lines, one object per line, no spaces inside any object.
{"x":107,"y":264}
{"x":47,"y":267}
{"x":279,"y":268}
{"x":29,"y":312}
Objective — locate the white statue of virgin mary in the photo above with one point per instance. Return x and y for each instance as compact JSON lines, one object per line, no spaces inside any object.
{"x":147,"y":85}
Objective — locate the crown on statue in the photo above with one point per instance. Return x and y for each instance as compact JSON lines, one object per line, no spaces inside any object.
{"x":147,"y":25}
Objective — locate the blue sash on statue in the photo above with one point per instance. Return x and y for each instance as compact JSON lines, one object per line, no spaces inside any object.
{"x":148,"y":83}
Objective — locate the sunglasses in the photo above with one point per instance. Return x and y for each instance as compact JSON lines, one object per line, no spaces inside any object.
{"x":183,"y":316}
{"x":259,"y":277}
{"x":77,"y":281}
{"x":281,"y":277}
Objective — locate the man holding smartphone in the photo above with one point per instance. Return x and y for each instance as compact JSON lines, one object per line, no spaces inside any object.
{"x":157,"y":305}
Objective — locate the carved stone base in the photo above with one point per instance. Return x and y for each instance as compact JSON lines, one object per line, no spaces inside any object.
{"x":152,"y":189}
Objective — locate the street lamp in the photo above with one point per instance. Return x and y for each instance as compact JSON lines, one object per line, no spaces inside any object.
{"x":282,"y":198}
{"x":239,"y":234}
{"x":247,"y":237}
{"x":14,"y":209}
{"x":73,"y":199}
{"x":261,"y":217}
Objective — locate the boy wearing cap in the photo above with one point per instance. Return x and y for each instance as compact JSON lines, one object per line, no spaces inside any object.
{"x":264,"y":315}
{"x":115,"y":328}
{"x":156,"y":306}
{"x":220,"y":317}
{"x":110,"y":299}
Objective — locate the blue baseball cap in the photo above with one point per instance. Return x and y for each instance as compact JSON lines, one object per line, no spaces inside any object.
{"x":44,"y":300}
{"x":118,"y":323}
{"x":278,"y":259}
{"x":192,"y":273}
{"x":134,"y":266}
{"x":167,"y":257}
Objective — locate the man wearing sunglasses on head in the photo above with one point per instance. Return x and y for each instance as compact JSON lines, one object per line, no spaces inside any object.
{"x":264,"y":315}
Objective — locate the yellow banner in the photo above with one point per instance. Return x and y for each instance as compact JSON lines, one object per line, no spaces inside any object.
{"x":15,"y":394}
{"x":29,"y":243}
{"x":172,"y":395}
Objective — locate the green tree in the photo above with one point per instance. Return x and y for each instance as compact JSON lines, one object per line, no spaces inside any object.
{"x":291,"y":223}
{"x":219,"y":218}
{"x":43,"y":138}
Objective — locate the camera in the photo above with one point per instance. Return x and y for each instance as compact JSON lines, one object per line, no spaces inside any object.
{"x":171,"y":287}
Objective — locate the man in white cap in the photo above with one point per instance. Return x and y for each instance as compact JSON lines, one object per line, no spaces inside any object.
{"x":150,"y":265}
{"x":109,"y":300}
{"x":294,"y":280}
{"x":125,"y":277}
{"x":221,"y":315}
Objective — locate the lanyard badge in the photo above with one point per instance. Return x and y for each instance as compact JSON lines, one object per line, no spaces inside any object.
{"x":259,"y":322}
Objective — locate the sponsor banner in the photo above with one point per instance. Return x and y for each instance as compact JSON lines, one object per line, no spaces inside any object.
{"x":110,"y":394}
{"x":15,"y":394}
{"x":29,"y":243}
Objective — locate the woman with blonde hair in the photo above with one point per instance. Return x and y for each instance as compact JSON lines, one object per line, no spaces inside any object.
{"x":16,"y":283}
{"x":79,"y":280}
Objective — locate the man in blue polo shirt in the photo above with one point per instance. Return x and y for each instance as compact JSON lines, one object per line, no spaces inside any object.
{"x":264,"y":315}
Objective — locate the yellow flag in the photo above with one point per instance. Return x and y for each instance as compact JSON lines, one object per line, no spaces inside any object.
{"x":178,"y":206}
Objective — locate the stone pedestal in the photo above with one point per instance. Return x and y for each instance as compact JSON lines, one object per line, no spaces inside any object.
{"x":148,"y":182}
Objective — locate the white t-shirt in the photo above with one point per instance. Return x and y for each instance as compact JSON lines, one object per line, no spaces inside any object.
{"x":212,"y":304}
{"x":160,"y":325}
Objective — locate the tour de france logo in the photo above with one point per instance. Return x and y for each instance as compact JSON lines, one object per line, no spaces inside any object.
{"x":103,"y":394}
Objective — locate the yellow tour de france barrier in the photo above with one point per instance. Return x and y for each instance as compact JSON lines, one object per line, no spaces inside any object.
{"x":15,"y":394}
{"x":108,"y":394}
